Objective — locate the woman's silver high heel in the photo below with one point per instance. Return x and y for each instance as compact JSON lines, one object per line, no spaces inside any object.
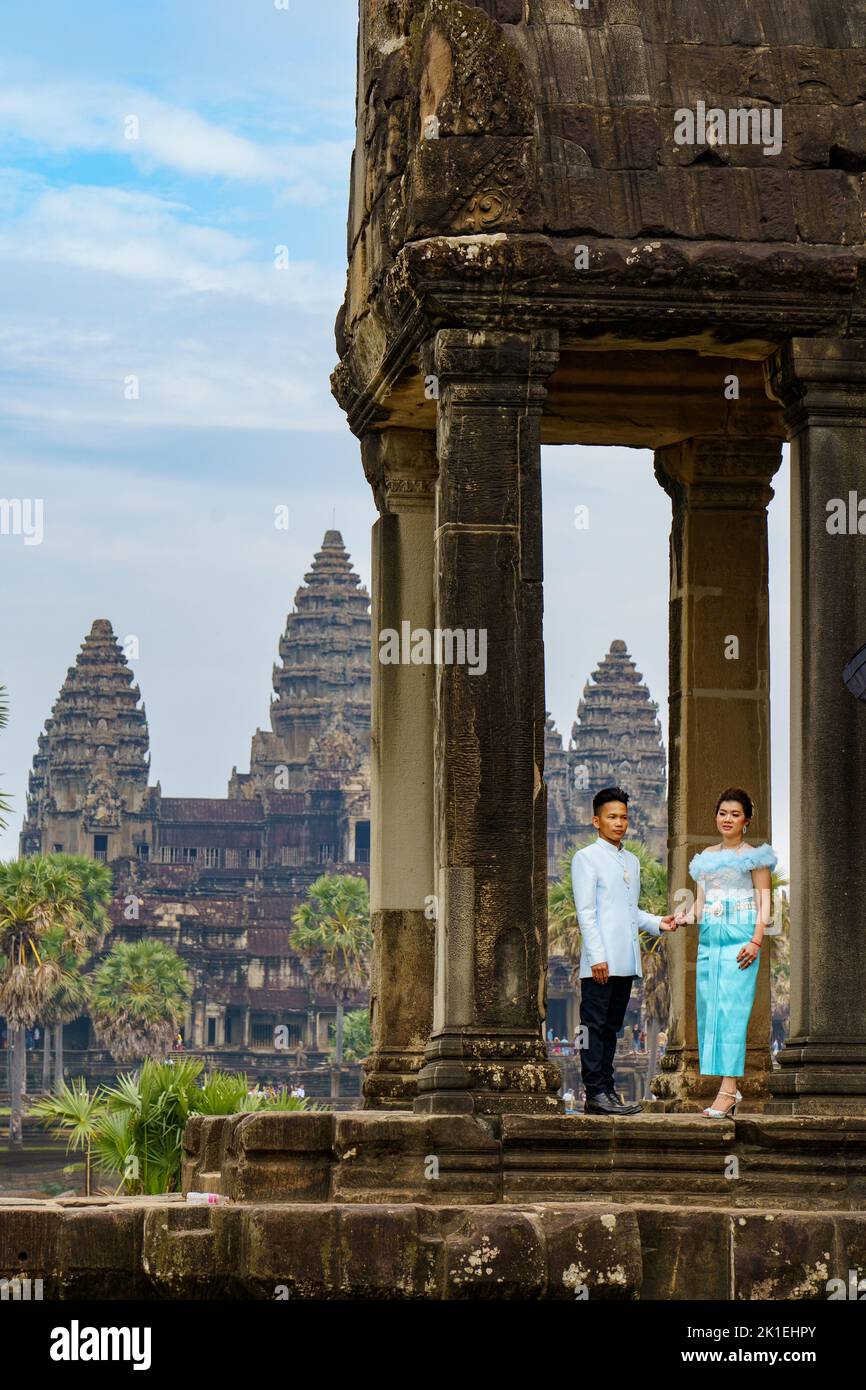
{"x":712,"y":1114}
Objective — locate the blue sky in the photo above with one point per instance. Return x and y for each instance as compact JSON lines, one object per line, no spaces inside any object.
{"x":146,"y":266}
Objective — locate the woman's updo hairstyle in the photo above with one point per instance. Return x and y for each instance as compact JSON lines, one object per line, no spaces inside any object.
{"x":737,"y":794}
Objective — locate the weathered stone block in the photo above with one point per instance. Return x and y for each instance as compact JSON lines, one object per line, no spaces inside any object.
{"x":778,"y":1255}
{"x":686,"y":1254}
{"x":28,"y":1243}
{"x":98,"y":1251}
{"x":591,"y":1253}
{"x":284,"y":1157}
{"x":178,"y":1252}
{"x":492,"y":1252}
{"x":405,"y":1157}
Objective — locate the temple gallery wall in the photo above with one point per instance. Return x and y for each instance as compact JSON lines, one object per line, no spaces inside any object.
{"x":542,"y":249}
{"x":219,"y":879}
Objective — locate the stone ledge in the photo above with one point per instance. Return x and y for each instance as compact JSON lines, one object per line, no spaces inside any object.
{"x":794,"y":1162}
{"x":159,"y":1248}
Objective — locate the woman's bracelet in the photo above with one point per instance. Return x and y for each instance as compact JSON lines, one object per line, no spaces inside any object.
{"x":759,"y":944}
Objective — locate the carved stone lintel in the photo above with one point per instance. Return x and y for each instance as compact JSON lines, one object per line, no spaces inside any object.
{"x":821,"y":380}
{"x":719,"y":473}
{"x":401,"y":468}
{"x":484,"y":365}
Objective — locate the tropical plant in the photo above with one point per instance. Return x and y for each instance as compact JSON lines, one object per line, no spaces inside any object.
{"x":76,"y":1112}
{"x":68,"y":1001}
{"x":133,"y":1130}
{"x":137,"y":999}
{"x":357,"y":1039}
{"x":332,"y":936}
{"x":44,"y":899}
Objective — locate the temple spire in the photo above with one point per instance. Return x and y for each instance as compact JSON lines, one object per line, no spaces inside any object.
{"x":616,"y":739}
{"x":92,"y":761}
{"x":322,"y":685}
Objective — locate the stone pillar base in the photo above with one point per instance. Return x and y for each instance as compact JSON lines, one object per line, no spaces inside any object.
{"x":391,"y":1079}
{"x":683,"y":1088}
{"x":401,"y":1007}
{"x":505,"y":1076}
{"x":819,"y":1078}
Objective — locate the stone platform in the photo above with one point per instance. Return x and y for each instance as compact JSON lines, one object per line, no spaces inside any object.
{"x":396,"y":1205}
{"x":159,"y":1248}
{"x":803,"y":1163}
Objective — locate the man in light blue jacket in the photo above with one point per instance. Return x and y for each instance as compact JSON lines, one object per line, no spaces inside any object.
{"x":606,"y":883}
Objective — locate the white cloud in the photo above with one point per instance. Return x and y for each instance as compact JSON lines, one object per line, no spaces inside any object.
{"x":105,"y":283}
{"x":145,"y":237}
{"x":63,"y":117}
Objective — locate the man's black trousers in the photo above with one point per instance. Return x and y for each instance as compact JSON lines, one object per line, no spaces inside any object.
{"x":602,"y":1010}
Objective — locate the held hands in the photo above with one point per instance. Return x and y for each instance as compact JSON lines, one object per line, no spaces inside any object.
{"x":671,"y":922}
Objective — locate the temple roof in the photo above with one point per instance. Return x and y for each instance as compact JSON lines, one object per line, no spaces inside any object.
{"x":320,"y":719}
{"x":98,"y":726}
{"x":617,"y":713}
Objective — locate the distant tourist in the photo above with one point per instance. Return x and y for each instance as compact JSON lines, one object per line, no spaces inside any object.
{"x":568,"y":1099}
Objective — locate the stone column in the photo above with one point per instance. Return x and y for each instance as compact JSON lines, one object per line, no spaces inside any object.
{"x":719,"y":709}
{"x":822,"y":385}
{"x":401,"y":464}
{"x":486,"y":1052}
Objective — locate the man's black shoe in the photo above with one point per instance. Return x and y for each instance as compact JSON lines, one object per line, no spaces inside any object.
{"x":629,"y":1107}
{"x":603,"y":1105}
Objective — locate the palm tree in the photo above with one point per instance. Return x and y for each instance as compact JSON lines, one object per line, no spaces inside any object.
{"x":72,"y":992}
{"x":68,"y":1001}
{"x":137,"y":1000}
{"x":357,"y":1042}
{"x":76,"y":1112}
{"x":333,"y":938}
{"x":39,"y":898}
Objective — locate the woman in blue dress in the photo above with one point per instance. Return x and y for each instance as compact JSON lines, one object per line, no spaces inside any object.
{"x":733,"y":908}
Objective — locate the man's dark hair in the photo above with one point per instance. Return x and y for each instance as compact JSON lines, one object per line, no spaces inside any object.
{"x":608,"y":794}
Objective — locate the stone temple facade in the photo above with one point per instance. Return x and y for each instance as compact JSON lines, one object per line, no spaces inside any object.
{"x":219,"y":879}
{"x":616,"y":740}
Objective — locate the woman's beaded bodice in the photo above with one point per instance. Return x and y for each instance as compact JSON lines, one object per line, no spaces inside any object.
{"x":724,"y":873}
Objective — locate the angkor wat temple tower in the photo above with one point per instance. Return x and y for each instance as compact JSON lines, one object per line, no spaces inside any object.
{"x":88,"y":791}
{"x":320,"y":718}
{"x":218,"y":879}
{"x":616,"y":739}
